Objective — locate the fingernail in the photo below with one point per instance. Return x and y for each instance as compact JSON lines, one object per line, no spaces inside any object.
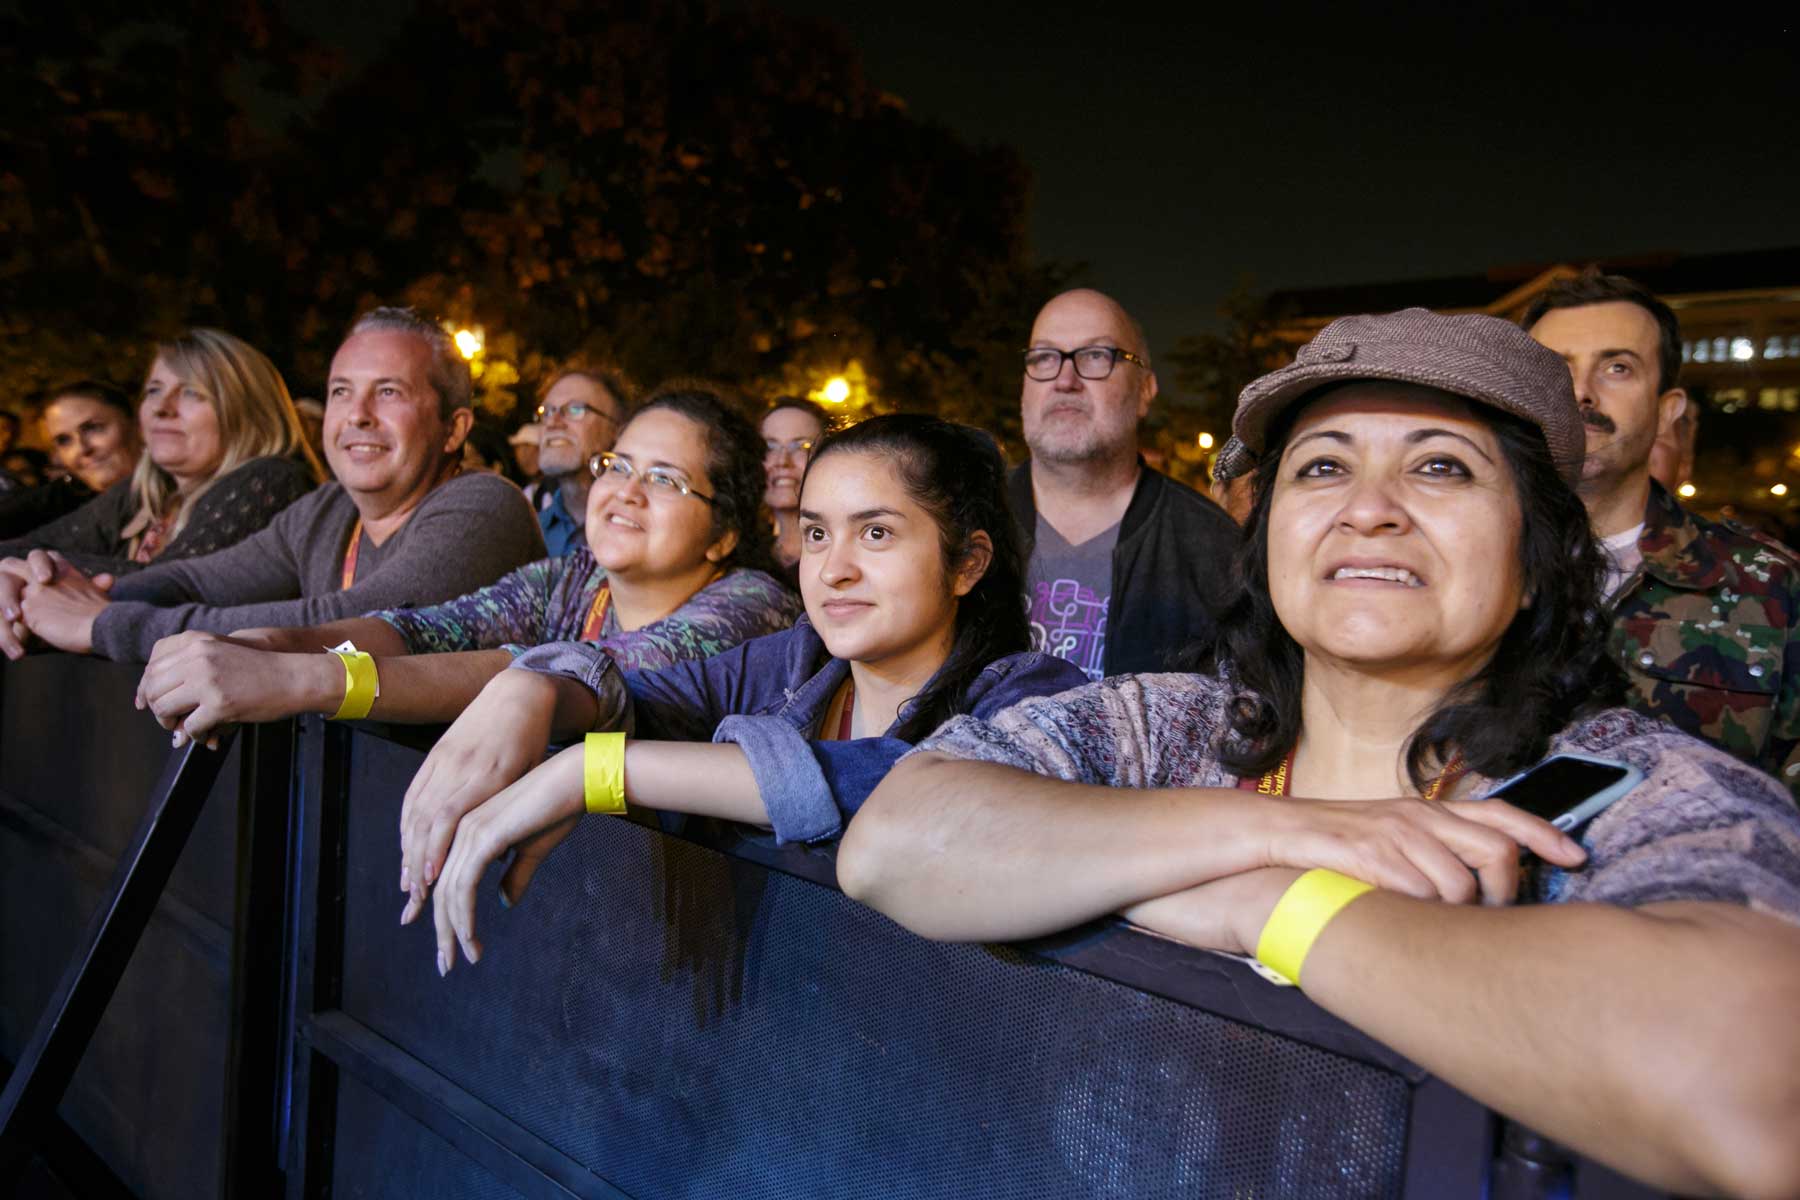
{"x":405,"y":880}
{"x":443,"y":967}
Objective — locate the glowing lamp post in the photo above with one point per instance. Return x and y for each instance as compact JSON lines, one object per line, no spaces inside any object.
{"x":1205,"y":441}
{"x":836,"y":390}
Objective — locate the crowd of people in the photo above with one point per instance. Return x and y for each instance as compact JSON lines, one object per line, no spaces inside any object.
{"x":1267,"y":726}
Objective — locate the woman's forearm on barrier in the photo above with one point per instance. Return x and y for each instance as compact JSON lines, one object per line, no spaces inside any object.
{"x":704,"y":779}
{"x":1660,"y":1040}
{"x":976,"y":852}
{"x":424,"y":688}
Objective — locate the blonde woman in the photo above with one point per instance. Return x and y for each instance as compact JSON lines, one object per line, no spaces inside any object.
{"x":224,"y":453}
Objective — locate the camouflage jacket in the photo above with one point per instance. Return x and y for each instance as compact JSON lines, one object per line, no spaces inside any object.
{"x":1705,"y":629}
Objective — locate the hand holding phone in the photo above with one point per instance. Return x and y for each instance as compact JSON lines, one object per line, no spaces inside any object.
{"x":1568,"y":790}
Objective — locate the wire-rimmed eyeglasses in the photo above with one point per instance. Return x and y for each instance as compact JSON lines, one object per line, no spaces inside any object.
{"x":658,"y":481}
{"x":798,"y":447}
{"x":573,"y":412}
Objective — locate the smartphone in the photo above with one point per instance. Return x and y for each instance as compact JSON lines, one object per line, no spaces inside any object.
{"x":1568,"y":790}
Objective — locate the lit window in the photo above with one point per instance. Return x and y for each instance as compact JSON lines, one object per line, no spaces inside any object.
{"x":1700,"y":352}
{"x":1687,"y":350}
{"x":1768,"y":398}
{"x":1790,"y":399}
{"x":1772,"y":348}
{"x":1793,"y":345}
{"x":1742,"y":349}
{"x":1721,"y":349}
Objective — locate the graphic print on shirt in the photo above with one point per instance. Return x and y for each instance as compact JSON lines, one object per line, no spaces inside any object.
{"x":1069,"y":621}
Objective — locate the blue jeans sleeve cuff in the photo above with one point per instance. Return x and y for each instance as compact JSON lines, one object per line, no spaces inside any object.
{"x":794,"y":791}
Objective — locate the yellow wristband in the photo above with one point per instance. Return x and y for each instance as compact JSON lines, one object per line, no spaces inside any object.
{"x":1300,"y":916}
{"x":360,"y":686}
{"x":603,"y":773}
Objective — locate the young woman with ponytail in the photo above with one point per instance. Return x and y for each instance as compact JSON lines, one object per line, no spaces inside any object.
{"x":912,"y":576}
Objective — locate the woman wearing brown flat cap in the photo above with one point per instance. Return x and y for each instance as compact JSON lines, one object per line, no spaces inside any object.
{"x":1419,"y":619}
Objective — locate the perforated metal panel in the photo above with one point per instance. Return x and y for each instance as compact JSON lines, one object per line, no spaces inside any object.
{"x":689,"y":1025}
{"x":383,"y":1154}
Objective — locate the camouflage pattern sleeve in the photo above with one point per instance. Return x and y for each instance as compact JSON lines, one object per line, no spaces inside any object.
{"x":1706,"y":634}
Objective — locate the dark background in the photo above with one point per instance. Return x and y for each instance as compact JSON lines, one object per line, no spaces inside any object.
{"x":775,"y":194}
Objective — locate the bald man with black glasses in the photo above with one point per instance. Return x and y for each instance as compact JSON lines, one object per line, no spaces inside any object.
{"x":1127,"y":566}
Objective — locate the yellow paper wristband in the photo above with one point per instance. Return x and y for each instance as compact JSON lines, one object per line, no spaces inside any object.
{"x":1301,"y":914}
{"x":360,"y":686}
{"x":603,"y":773}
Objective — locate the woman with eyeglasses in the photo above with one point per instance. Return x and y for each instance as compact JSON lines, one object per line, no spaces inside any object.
{"x":675,"y":567}
{"x":912,"y":572}
{"x":790,"y":430}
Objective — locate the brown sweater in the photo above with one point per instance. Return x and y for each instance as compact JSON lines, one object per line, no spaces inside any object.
{"x":464,"y":535}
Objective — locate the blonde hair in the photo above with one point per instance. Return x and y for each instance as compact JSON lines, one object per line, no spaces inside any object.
{"x":255,"y":413}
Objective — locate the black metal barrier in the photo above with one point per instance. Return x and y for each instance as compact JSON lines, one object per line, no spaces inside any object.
{"x":689,"y":1014}
{"x":141,"y":934}
{"x":704,"y":1015}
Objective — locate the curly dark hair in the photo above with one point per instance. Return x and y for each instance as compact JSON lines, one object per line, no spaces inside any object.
{"x":1551,"y":666}
{"x":956,"y":474}
{"x":734,"y":464}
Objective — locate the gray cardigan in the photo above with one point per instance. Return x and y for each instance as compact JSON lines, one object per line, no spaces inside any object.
{"x":466,"y":534}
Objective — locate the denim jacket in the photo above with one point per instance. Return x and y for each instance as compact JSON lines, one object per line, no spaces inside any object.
{"x":767,"y":696}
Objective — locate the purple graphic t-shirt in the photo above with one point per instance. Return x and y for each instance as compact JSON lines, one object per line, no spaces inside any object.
{"x":1069,"y":589}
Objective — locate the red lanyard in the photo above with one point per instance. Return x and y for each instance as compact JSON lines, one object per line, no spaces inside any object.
{"x":1275,"y":783}
{"x":848,"y":690}
{"x":350,"y":555}
{"x":596,"y":618}
{"x":849,"y":711}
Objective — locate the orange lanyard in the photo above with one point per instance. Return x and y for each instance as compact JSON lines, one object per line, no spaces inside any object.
{"x":1275,"y":783}
{"x":596,"y":618}
{"x":350,"y":555}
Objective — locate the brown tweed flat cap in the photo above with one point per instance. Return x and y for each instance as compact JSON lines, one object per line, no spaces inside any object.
{"x":1480,"y":358}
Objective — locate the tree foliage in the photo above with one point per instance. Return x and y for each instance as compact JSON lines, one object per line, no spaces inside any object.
{"x":1211,"y":368}
{"x":674,"y":186}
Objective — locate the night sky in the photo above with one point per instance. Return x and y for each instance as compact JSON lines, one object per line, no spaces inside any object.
{"x":1179,"y":156}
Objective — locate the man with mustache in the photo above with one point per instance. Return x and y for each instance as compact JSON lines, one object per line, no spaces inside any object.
{"x":580,"y":411}
{"x":399,"y":527}
{"x":1126,"y":565}
{"x":1703,"y":615}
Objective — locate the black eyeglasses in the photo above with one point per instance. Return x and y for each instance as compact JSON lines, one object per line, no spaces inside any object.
{"x":1091,"y":362}
{"x":658,"y":481}
{"x":573,"y":412}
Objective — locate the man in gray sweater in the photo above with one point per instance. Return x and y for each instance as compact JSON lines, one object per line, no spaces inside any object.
{"x":399,"y":527}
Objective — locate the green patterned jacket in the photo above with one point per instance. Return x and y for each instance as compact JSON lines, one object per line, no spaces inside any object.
{"x":1705,"y":629}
